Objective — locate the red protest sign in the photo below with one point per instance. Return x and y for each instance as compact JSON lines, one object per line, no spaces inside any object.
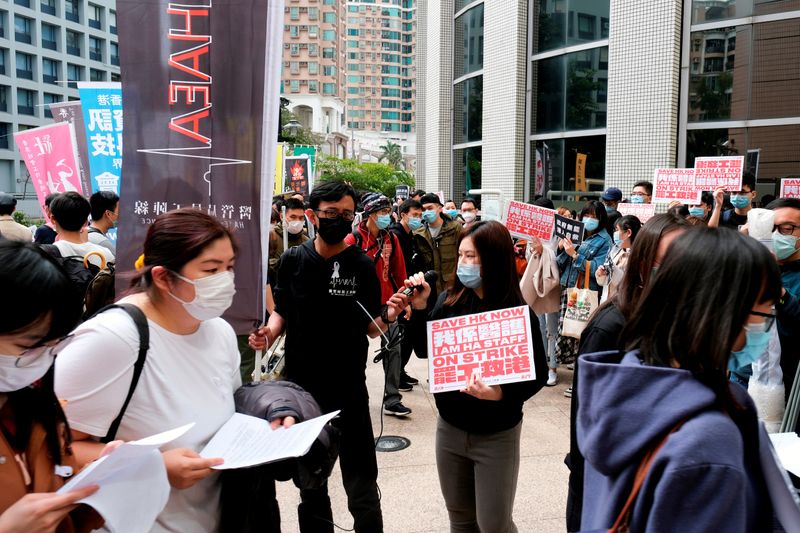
{"x":643,"y":212}
{"x":528,"y":221}
{"x":790,"y":188}
{"x":496,"y":345}
{"x":713,"y":172}
{"x":675,"y":184}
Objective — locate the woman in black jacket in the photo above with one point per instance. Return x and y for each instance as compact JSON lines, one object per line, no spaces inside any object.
{"x":478,"y":433}
{"x":604,"y":329}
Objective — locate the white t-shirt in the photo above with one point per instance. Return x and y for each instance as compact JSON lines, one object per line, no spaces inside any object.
{"x":101,"y":239}
{"x":70,"y":248}
{"x":186,"y":378}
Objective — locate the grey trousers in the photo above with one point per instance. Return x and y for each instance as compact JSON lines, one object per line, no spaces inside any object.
{"x":478,"y":476}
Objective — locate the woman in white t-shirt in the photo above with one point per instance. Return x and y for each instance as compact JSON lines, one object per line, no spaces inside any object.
{"x":191,"y":369}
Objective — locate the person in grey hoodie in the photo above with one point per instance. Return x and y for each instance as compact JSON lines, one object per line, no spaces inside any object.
{"x":702,"y":315}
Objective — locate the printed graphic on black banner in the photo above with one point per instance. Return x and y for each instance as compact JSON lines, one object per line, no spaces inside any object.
{"x":567,"y":228}
{"x":296,"y":170}
{"x":194,"y":99}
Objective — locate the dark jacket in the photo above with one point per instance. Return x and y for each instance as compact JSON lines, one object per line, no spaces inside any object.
{"x":602,"y":334}
{"x":406,"y":240}
{"x":276,"y":246}
{"x":473,"y":415}
{"x":440,"y":253}
{"x":788,"y":310}
{"x":707,"y":477}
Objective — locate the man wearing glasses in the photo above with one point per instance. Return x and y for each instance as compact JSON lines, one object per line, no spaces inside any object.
{"x":328,"y":299}
{"x":786,"y":240}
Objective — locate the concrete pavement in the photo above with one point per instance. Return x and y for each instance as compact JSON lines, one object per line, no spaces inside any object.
{"x":410,"y":497}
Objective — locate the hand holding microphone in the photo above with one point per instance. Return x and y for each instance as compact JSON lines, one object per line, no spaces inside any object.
{"x":418,"y":288}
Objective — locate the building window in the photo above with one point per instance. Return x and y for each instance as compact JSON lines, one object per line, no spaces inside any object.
{"x":328,"y":88}
{"x":329,"y":17}
{"x":328,"y":53}
{"x":112,"y":22}
{"x":329,"y":35}
{"x":328,"y":70}
{"x":313,"y":50}
{"x":74,"y":74}
{"x":115,"y":77}
{"x":50,"y":69}
{"x":3,"y":58}
{"x":74,"y":43}
{"x":48,"y":98}
{"x":294,"y":67}
{"x":22,"y":29}
{"x":294,"y":13}
{"x":95,"y":16}
{"x":558,"y":20}
{"x":5,"y":133}
{"x":468,"y":52}
{"x":48,"y":6}
{"x":313,"y":13}
{"x":294,"y":86}
{"x":467,"y":110}
{"x":4,"y":98}
{"x":294,"y":31}
{"x":23,"y":3}
{"x":466,"y":170}
{"x":97,"y":75}
{"x":313,"y":67}
{"x":95,"y":49}
{"x":72,"y":11}
{"x":24,"y":66}
{"x":114,"y":53}
{"x":26,"y":102}
{"x":49,"y":36}
{"x":312,"y":86}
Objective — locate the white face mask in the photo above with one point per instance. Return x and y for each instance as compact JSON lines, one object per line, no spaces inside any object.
{"x":212,"y":295}
{"x":14,"y":377}
{"x":468,"y":216}
{"x":294,"y":227}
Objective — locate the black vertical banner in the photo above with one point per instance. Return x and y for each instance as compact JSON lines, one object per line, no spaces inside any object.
{"x":193,"y":85}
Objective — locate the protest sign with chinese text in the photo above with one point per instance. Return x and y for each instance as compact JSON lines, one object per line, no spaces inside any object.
{"x":713,"y":172}
{"x":102,"y":117}
{"x":643,"y":212}
{"x":675,"y":184}
{"x":496,"y":345}
{"x":297,"y":174}
{"x":51,"y":158}
{"x":568,"y":228}
{"x":790,"y":188}
{"x":527,"y":221}
{"x":201,"y":85}
{"x":72,"y":112}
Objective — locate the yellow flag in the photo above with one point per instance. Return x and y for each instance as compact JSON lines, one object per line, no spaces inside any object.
{"x":580,"y":172}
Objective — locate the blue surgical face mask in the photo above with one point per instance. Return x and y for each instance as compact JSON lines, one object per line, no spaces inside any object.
{"x":637,"y":199}
{"x":617,"y":240}
{"x":590,"y":224}
{"x":470,"y":275}
{"x":383,"y":221}
{"x":785,"y":245}
{"x":453,"y":213}
{"x":698,"y":212}
{"x":754,"y":348}
{"x":414,"y":223}
{"x":740,"y":201}
{"x":430,"y":216}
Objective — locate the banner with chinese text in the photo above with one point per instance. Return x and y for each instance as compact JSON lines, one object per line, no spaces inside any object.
{"x":675,"y":184}
{"x":496,"y":345}
{"x":102,"y":118}
{"x":298,"y":174}
{"x":71,"y":112}
{"x":51,"y":158}
{"x":643,"y":212}
{"x":713,"y":172}
{"x":527,"y":221}
{"x":201,"y":92}
{"x":790,"y":188}
{"x":568,"y":228}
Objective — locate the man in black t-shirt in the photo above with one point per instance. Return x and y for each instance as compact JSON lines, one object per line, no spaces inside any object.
{"x":326,"y":298}
{"x":742,"y":202}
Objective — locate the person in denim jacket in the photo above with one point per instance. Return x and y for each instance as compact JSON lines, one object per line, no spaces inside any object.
{"x":595,"y":247}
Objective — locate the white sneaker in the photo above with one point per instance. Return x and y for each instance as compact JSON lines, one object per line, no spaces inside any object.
{"x":552,"y":378}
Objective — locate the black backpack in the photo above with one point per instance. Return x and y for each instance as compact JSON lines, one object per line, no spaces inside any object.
{"x":94,"y":283}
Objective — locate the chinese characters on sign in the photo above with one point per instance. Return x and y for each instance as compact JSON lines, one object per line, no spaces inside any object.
{"x":296,"y":169}
{"x":567,"y":228}
{"x":496,"y":345}
{"x":72,"y":112}
{"x":790,"y":188}
{"x":713,"y":172}
{"x":643,"y":212}
{"x":528,"y":221}
{"x":102,"y":115}
{"x":231,"y":215}
{"x":51,"y":159}
{"x":675,"y":184}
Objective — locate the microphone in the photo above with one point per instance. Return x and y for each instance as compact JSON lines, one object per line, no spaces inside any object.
{"x":430,"y":276}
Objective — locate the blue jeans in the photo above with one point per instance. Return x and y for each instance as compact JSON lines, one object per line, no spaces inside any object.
{"x":548,"y":325}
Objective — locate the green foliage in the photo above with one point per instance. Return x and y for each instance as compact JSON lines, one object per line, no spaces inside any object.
{"x":21,"y":218}
{"x":393,"y":155}
{"x":375,"y":177}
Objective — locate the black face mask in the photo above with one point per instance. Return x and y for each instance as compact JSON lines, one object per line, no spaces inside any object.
{"x":334,"y":230}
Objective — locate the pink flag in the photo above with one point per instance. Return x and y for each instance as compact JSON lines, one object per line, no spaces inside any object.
{"x":51,"y":158}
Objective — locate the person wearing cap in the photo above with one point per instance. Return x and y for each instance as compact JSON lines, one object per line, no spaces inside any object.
{"x":9,"y":229}
{"x":611,"y":199}
{"x":382,"y":247}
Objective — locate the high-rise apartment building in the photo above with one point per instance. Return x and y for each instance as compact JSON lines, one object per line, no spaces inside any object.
{"x":313,"y":76}
{"x":46,"y":46}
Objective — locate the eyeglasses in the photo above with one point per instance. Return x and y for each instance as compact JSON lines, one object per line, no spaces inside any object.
{"x":785,"y":229}
{"x":333,"y":213}
{"x":769,"y":319}
{"x":32,"y":355}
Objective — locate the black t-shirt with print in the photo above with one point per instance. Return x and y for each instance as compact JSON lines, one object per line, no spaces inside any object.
{"x":326,"y":329}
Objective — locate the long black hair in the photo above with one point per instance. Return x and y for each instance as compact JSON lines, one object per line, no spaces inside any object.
{"x":694,"y":310}
{"x":37,"y":291}
{"x":498,"y":267}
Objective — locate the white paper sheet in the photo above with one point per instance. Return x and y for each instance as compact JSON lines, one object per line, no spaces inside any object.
{"x":787,"y":446}
{"x":249,"y":441}
{"x":135,"y":468}
{"x":784,"y":497}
